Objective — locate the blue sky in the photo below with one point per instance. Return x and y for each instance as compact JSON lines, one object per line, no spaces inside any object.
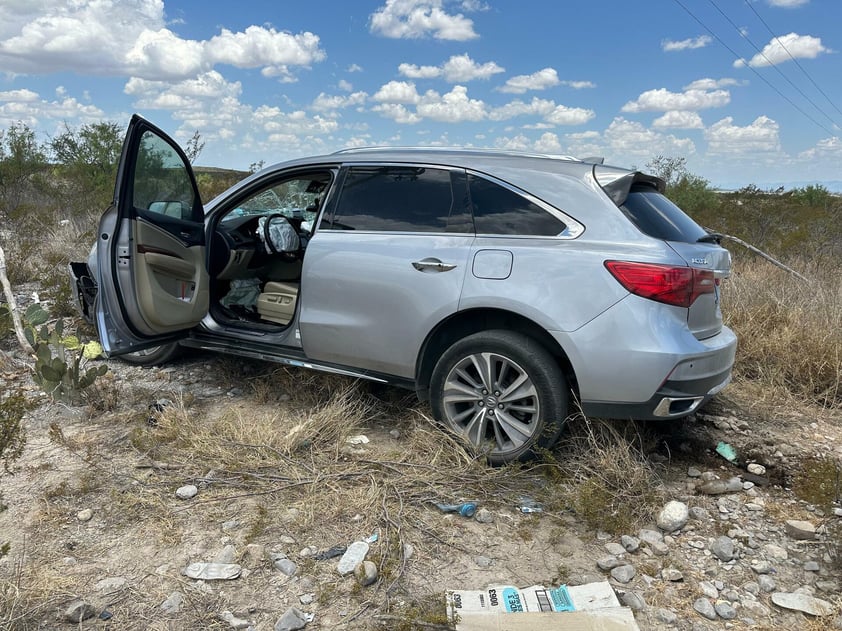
{"x":748,"y":91}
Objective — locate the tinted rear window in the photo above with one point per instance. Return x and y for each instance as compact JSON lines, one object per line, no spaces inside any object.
{"x":498,"y":210}
{"x":402,"y":199}
{"x":654,"y":214}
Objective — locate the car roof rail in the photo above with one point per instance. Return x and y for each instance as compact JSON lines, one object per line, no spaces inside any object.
{"x":441,"y":149}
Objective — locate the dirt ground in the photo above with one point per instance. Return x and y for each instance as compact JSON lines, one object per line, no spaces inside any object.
{"x":121,"y":461}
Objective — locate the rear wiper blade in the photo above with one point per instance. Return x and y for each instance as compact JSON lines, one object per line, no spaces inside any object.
{"x":711,"y":237}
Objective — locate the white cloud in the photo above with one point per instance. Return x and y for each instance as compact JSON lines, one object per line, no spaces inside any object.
{"x":26,"y":106}
{"x":632,"y":140}
{"x":19,"y":96}
{"x":452,"y":107}
{"x":474,"y":5}
{"x":627,"y":142}
{"x":355,"y":68}
{"x":788,"y":4}
{"x":412,"y":19}
{"x":258,"y":46}
{"x":678,"y":120}
{"x":701,"y":41}
{"x":211,"y":104}
{"x":712,"y":84}
{"x":548,"y":143}
{"x":826,"y":149}
{"x":775,"y":52}
{"x":397,"y":112}
{"x":131,"y":38}
{"x":327,"y":103}
{"x":457,"y":69}
{"x":397,"y":92}
{"x":662,"y":100}
{"x":419,"y":72}
{"x":579,"y":85}
{"x":536,"y":107}
{"x":563,"y":115}
{"x":517,"y":143}
{"x":541,"y":80}
{"x":347,"y":86}
{"x":725,"y":138}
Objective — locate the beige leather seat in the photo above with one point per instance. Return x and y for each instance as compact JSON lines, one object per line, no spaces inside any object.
{"x":277,"y":302}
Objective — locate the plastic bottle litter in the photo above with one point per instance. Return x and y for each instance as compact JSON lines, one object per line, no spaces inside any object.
{"x":528,"y":505}
{"x":468,"y":509}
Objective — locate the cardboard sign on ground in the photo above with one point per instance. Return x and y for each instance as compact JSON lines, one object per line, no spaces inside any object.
{"x":591,"y":607}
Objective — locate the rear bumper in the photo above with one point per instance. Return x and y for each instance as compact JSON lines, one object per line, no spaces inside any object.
{"x":674,"y":400}
{"x":639,"y":360}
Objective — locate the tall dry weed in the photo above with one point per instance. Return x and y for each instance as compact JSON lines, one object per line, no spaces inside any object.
{"x":790,"y":332}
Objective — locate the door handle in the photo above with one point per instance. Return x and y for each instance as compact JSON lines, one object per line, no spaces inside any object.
{"x":433,"y":265}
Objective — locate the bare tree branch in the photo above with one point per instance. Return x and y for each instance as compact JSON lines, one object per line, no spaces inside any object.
{"x":13,"y":306}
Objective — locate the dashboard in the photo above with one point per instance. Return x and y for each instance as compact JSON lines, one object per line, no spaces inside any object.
{"x":237,"y":250}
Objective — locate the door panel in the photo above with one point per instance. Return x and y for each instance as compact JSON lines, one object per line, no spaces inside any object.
{"x":153,"y":285}
{"x":365,"y":304}
{"x":171,"y":289}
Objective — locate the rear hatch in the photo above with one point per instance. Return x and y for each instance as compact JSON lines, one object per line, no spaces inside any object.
{"x":641,"y":199}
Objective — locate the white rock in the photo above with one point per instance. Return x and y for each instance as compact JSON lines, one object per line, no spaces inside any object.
{"x":775,"y":552}
{"x":354,"y":555}
{"x":756,"y":469}
{"x":85,"y":514}
{"x":186,"y":492}
{"x":673,"y":516}
{"x":213,"y":571}
{"x":173,"y":603}
{"x":366,"y":573}
{"x":798,"y":529}
{"x":803,"y":602}
{"x":233,"y":621}
{"x":705,"y":608}
{"x":623,"y":573}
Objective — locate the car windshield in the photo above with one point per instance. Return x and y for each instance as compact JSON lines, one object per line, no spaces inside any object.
{"x":297,"y":199}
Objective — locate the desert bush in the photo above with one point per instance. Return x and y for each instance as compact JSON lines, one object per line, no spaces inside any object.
{"x":790,"y":332}
{"x":600,"y":470}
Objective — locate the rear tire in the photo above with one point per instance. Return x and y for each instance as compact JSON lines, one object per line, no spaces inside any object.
{"x":502,"y":392}
{"x":153,"y":356}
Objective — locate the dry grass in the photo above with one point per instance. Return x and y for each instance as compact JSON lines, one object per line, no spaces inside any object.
{"x":611,"y":484}
{"x":790,"y":333}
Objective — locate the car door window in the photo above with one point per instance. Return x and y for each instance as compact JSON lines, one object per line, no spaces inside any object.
{"x":402,"y":199}
{"x":161,"y":183}
{"x":499,"y":210}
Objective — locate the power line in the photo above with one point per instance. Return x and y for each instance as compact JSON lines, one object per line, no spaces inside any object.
{"x":759,"y":76}
{"x":797,"y":63}
{"x":769,"y":61}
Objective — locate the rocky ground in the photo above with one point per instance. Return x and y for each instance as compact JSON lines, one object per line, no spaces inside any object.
{"x":102,"y":533}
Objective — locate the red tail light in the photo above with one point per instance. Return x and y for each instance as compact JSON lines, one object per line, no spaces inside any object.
{"x":672,"y":285}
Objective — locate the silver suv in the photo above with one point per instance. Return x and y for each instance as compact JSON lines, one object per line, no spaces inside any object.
{"x":501,"y":287}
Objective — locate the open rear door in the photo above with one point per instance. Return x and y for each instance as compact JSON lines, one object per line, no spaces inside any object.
{"x":153,"y":283}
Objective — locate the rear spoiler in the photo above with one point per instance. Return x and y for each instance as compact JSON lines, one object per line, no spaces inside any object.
{"x":618,"y":182}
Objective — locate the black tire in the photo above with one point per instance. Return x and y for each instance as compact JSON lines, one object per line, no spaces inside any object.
{"x":504,"y":427}
{"x":153,"y":356}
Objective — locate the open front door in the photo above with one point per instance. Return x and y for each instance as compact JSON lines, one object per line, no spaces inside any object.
{"x":153,"y":284}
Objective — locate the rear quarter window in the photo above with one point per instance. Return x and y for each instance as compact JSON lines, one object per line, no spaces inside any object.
{"x":655,"y":215}
{"x":500,"y":211}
